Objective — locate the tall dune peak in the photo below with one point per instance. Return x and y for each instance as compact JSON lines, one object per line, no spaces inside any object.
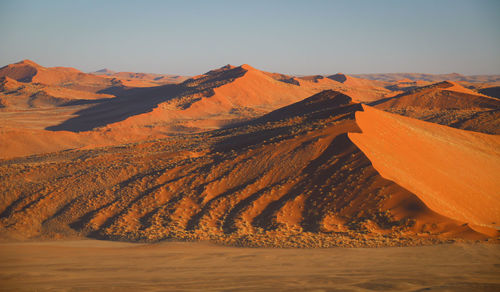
{"x":28,"y":62}
{"x":247,"y":67}
{"x":23,"y":71}
{"x":332,"y":95}
{"x":405,"y":80}
{"x":446,"y":84}
{"x":104,"y":71}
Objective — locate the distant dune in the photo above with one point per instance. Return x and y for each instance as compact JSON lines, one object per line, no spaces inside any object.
{"x":142,"y":79}
{"x":447,"y":103}
{"x":29,"y":71}
{"x":357,"y":82}
{"x":393,"y":77}
{"x":132,"y":110}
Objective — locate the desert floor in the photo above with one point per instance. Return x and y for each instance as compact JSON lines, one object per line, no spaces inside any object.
{"x":113,"y":266}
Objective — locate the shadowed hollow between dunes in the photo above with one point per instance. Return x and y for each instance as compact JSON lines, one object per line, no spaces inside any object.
{"x":290,"y":178}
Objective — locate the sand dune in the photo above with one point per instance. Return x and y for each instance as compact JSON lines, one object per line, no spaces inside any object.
{"x":66,"y":100}
{"x":210,"y":101}
{"x":441,"y":95}
{"x":454,"y":172}
{"x":290,"y":178}
{"x":29,"y":71}
{"x":244,"y":157}
{"x":217,"y":97}
{"x":447,"y":103}
{"x":357,"y":82}
{"x":134,"y":79}
{"x":16,"y":96}
{"x":393,"y":77}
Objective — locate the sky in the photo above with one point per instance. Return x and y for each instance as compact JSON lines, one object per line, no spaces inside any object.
{"x":293,"y":37}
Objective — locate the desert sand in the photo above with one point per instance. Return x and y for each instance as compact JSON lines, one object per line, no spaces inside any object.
{"x":291,"y":178}
{"x":113,"y":266}
{"x":338,"y":182}
{"x":463,"y":195}
{"x":447,"y":103}
{"x":41,"y":104}
{"x":246,"y":157}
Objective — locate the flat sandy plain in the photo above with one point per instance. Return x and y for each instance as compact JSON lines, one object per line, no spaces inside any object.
{"x":88,"y":265}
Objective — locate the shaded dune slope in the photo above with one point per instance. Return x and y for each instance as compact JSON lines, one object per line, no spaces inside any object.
{"x":493,"y":91}
{"x":290,"y":178}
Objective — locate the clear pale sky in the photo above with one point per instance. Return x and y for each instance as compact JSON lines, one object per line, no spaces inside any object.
{"x":297,"y":37}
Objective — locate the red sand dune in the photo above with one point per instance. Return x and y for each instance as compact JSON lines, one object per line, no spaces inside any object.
{"x":393,"y":77}
{"x":293,"y":161}
{"x":29,"y":71}
{"x":447,"y":103}
{"x":354,"y":81}
{"x":454,"y":172}
{"x":209,"y":101}
{"x":363,"y":90}
{"x":290,"y":178}
{"x":217,"y":98}
{"x":16,"y":95}
{"x":442,"y":95}
{"x":134,"y":79}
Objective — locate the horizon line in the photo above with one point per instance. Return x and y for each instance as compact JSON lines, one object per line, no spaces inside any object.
{"x":271,"y":71}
